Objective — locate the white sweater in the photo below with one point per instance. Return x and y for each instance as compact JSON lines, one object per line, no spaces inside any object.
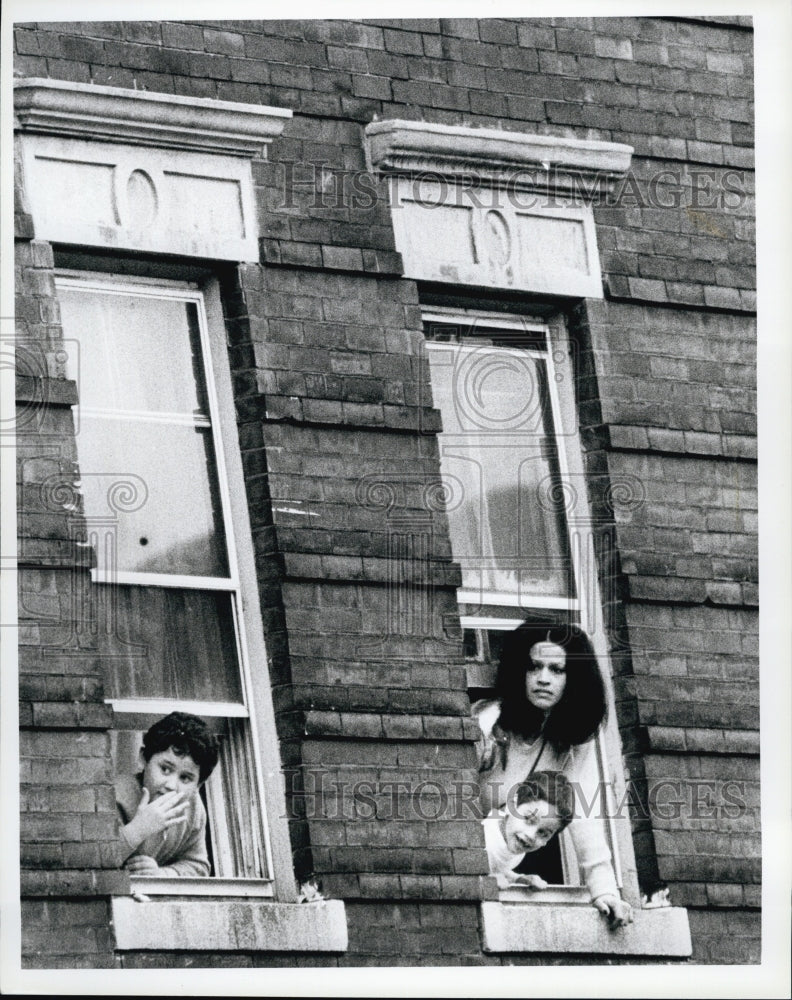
{"x":501,"y":860}
{"x":579,"y":765}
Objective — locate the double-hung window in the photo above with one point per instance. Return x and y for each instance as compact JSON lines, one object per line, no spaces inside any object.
{"x":165,"y":514}
{"x":518,"y":515}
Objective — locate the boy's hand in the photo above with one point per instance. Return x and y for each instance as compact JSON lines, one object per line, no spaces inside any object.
{"x":617,"y":912}
{"x":155,"y":816}
{"x":532,"y":881}
{"x":507,"y":880}
{"x":141,"y":864}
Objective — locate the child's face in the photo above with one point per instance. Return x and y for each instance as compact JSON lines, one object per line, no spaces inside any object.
{"x":529,"y":826}
{"x":166,"y":771}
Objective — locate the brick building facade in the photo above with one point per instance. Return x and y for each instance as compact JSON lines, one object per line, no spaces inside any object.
{"x":360,"y":659}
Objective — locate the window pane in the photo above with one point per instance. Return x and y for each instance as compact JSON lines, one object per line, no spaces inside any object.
{"x":168,"y":643}
{"x":150,"y":477}
{"x":169,"y":521}
{"x":137,"y":353}
{"x":498,"y":456}
{"x":144,"y":442}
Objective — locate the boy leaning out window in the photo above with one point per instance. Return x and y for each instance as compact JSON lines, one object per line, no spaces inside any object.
{"x":163,"y":820}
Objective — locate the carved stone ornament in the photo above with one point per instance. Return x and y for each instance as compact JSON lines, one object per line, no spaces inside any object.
{"x":129,"y":169}
{"x":491,"y":208}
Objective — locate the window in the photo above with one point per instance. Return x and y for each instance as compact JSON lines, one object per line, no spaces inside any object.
{"x":173,"y":602}
{"x":500,"y":464}
{"x":513,"y":475}
{"x":477,"y":209}
{"x":167,"y":584}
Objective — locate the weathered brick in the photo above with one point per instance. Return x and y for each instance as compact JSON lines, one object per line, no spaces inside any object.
{"x":673,"y":388}
{"x":614,"y":48}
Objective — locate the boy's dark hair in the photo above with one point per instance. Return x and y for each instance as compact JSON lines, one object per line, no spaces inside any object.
{"x":185,"y":734}
{"x":583,"y":706}
{"x":552,"y":787}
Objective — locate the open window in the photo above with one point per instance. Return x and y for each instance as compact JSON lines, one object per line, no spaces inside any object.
{"x":488,"y":212}
{"x":146,"y":183}
{"x":518,"y":513}
{"x":166,"y":594}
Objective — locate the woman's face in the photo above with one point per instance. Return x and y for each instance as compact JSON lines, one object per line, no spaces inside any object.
{"x":545,"y":678}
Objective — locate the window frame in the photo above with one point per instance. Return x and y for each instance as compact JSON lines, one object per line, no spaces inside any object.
{"x":241,"y":584}
{"x":512,"y":323}
{"x":585,"y":602}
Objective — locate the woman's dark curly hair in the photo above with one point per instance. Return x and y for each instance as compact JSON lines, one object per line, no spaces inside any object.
{"x":582,"y":708}
{"x":185,"y":734}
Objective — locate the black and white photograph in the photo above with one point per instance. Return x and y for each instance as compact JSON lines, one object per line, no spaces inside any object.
{"x":382,"y":401}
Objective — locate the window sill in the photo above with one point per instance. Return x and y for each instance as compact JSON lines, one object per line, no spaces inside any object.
{"x":510,"y":927}
{"x":566,"y":895}
{"x":213,"y":886}
{"x":226,"y":925}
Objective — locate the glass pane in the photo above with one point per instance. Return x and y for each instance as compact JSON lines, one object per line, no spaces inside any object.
{"x":168,"y":519}
{"x":469,"y":644}
{"x":144,"y":443}
{"x":488,"y":389}
{"x":137,"y":353}
{"x":167,"y":643}
{"x":495,"y":640}
{"x":498,"y":457}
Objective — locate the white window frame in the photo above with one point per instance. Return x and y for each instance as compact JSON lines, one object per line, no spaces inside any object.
{"x":241,"y":584}
{"x":588,"y":605}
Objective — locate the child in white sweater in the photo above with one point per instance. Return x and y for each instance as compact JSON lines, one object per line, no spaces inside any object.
{"x":539,"y":808}
{"x":163,"y":821}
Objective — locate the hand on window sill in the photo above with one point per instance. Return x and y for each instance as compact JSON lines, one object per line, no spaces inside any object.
{"x":531,"y":881}
{"x":615,"y":910}
{"x":142,"y":864}
{"x":506,"y":881}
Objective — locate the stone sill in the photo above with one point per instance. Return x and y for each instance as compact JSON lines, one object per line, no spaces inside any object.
{"x":327,"y":257}
{"x":562,"y":929}
{"x":225,"y":925}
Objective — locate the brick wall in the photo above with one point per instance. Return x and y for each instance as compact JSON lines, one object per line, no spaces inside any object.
{"x":335,"y":419}
{"x":391,"y":933}
{"x":68,"y":825}
{"x":679,"y":92}
{"x":670,"y":399}
{"x":330,"y":365}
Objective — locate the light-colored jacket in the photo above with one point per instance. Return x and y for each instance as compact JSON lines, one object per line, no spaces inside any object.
{"x":505,"y":760}
{"x":180,"y":850}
